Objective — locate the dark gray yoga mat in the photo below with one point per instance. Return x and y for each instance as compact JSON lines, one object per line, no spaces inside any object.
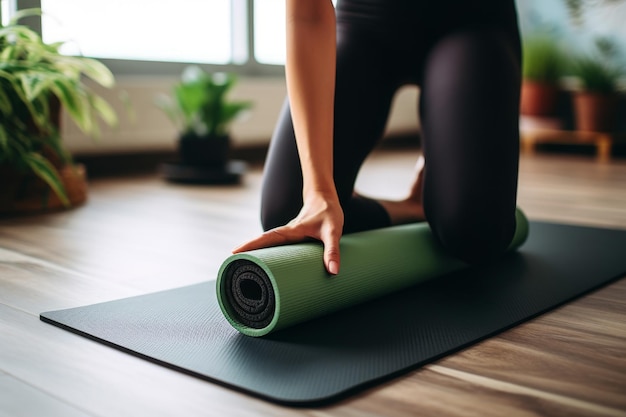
{"x":328,"y":358}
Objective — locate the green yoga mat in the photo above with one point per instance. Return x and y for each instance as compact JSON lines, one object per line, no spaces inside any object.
{"x":270,"y":289}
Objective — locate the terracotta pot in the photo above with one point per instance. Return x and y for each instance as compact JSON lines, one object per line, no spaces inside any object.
{"x":29,"y":194}
{"x":595,"y":112}
{"x":538,"y":98}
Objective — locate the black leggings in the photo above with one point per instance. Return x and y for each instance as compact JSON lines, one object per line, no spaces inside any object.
{"x":465,"y":57}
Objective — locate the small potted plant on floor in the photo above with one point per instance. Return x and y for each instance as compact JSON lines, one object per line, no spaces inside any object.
{"x":542,"y":67}
{"x":200,"y":109}
{"x":36,"y":83}
{"x":596,"y":100}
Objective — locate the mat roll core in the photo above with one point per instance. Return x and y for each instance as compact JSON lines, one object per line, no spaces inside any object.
{"x":249,"y":293}
{"x":265,"y":290}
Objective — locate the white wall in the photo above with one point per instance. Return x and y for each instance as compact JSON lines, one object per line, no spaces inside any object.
{"x":151,"y":130}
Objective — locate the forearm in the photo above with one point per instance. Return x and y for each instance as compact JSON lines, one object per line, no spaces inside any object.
{"x":310,"y":72}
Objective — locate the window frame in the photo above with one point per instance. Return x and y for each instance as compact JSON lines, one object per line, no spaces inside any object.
{"x":251,"y":67}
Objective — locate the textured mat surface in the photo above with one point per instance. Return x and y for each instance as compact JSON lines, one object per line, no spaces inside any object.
{"x":333,"y":356}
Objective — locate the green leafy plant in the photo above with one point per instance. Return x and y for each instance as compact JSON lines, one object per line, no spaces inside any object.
{"x":199,"y":105}
{"x":543,"y":60}
{"x":34,"y":79}
{"x":599,"y":71}
{"x":595,"y":76}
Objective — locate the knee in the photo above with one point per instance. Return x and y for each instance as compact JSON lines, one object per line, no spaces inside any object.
{"x":268,"y":221}
{"x":271,"y":218}
{"x":276,"y":213}
{"x":476,"y":240}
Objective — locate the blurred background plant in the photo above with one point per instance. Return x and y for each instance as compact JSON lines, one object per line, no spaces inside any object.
{"x":36,"y":82}
{"x":543,"y":65}
{"x":598,"y":74}
{"x":201,"y":110}
{"x":600,"y":70}
{"x":199,"y":104}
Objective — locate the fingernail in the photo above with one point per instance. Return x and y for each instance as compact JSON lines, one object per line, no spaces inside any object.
{"x":333,"y":267}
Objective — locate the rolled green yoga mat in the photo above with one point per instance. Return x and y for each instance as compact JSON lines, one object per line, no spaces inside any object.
{"x":265,"y":290}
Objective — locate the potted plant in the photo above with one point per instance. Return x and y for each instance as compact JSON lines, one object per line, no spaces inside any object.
{"x":542,"y":67}
{"x":595,"y":102}
{"x":36,"y":82}
{"x":202,"y":112}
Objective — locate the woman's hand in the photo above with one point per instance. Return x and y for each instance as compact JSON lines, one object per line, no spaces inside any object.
{"x":310,"y":75}
{"x":321,"y":218}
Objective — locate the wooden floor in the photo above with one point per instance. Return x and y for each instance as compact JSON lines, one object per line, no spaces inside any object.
{"x":139,"y":235}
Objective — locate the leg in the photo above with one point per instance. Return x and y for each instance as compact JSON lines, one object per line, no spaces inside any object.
{"x":364,"y":89}
{"x":470,"y":99}
{"x":281,"y":192}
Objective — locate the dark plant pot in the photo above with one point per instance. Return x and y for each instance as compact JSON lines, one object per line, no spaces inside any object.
{"x":538,"y":98}
{"x":209,"y":151}
{"x":595,"y":112}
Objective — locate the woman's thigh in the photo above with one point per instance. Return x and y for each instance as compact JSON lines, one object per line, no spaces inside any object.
{"x":469,"y":114}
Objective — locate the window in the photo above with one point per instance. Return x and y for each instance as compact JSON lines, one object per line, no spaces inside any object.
{"x":4,"y":12}
{"x":269,"y":31}
{"x":184,"y":31}
{"x":161,"y":38}
{"x":150,"y":37}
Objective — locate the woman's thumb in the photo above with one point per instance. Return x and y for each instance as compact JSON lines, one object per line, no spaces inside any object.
{"x":331,"y":256}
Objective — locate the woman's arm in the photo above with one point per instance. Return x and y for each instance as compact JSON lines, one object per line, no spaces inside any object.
{"x":310,"y":72}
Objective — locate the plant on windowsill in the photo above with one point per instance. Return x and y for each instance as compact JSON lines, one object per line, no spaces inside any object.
{"x":36,"y":83}
{"x":201,"y":111}
{"x":596,"y":101}
{"x":542,"y":67}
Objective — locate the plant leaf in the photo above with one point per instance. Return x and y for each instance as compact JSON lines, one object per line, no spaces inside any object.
{"x":54,"y":142}
{"x":33,"y":83}
{"x":48,"y":173}
{"x":92,"y":68}
{"x":229,"y":112}
{"x":4,"y":143}
{"x":103,"y":109}
{"x":543,"y":59}
{"x":39,"y":116}
{"x":24,"y":13}
{"x":75,"y":102}
{"x":19,"y":32}
{"x":595,"y":75}
{"x":5,"y":102}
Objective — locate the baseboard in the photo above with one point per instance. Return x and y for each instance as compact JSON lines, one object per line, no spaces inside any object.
{"x":142,"y":163}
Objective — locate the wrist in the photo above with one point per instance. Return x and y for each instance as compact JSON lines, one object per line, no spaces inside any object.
{"x":314,"y":191}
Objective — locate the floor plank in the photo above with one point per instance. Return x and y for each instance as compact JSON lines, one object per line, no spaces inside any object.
{"x":21,"y":400}
{"x":575,"y":351}
{"x":34,"y":285}
{"x":107,"y":382}
{"x":140,"y":234}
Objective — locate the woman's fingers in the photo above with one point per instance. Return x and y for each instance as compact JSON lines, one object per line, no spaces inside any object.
{"x":272,"y":237}
{"x":320,"y":218}
{"x":331,"y":257}
{"x":330,"y":238}
{"x":289,"y":234}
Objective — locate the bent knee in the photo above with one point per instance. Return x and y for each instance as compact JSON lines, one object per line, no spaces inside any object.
{"x":477,"y":241}
{"x":274,"y":214}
